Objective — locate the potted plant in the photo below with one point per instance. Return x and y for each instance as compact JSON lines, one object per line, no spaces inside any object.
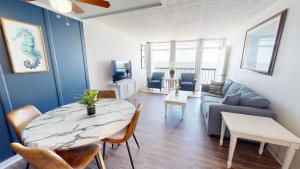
{"x":89,"y":98}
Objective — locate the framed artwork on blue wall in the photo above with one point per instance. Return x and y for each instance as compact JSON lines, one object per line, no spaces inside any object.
{"x":25,"y":46}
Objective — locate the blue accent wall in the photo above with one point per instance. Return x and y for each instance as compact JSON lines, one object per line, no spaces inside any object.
{"x":67,"y":75}
{"x":5,"y":137}
{"x":72,"y":75}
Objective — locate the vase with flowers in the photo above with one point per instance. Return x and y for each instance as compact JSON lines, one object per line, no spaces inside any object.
{"x":172,"y":69}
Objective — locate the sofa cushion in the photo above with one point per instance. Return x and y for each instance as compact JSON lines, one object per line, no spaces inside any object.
{"x":208,"y":98}
{"x":245,"y":89}
{"x":216,"y":88}
{"x":210,"y":94}
{"x":251,"y":99}
{"x":234,"y":88}
{"x":205,"y":107}
{"x":226,"y":86}
{"x":233,"y":99}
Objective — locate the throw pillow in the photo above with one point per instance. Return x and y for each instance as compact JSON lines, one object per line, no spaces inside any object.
{"x":233,"y":99}
{"x":216,"y":88}
{"x":226,"y":86}
{"x":233,"y":89}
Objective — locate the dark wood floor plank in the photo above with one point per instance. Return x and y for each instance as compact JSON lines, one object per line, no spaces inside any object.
{"x":178,"y":144}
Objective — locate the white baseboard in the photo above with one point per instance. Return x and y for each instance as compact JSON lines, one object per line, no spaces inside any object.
{"x":10,"y":161}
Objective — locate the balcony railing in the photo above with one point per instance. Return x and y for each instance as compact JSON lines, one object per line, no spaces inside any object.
{"x":207,"y":75}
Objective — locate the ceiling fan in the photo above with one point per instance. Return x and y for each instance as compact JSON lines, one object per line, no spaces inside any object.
{"x":66,"y":6}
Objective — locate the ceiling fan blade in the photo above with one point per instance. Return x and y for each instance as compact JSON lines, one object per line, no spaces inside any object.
{"x":76,"y":8}
{"x":101,"y":3}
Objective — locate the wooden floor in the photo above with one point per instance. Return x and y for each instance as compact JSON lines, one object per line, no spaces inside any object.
{"x":179,"y":144}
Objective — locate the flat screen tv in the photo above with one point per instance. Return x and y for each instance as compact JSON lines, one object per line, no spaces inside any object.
{"x":121,"y":70}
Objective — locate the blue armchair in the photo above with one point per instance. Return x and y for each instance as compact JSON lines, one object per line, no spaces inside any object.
{"x":156,"y":80}
{"x":187,"y":82}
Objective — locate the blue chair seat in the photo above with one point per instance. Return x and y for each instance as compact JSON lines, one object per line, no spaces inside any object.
{"x":186,"y":84}
{"x":155,"y":81}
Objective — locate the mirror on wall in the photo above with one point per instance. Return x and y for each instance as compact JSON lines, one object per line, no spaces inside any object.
{"x":262,"y":43}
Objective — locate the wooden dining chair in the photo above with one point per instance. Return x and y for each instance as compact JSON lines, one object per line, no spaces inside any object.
{"x":78,"y":158}
{"x":125,"y":134}
{"x":20,"y":118}
{"x":107,"y":94}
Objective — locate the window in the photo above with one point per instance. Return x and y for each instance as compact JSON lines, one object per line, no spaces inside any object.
{"x":212,"y":50}
{"x":160,"y":55}
{"x":143,"y":56}
{"x":213,"y":60}
{"x":186,"y":55}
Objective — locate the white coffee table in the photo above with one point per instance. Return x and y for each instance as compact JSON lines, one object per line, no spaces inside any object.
{"x":262,"y":129}
{"x":180,"y":99}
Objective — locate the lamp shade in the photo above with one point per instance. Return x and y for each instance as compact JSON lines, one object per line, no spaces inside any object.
{"x":126,"y":65}
{"x":172,"y":66}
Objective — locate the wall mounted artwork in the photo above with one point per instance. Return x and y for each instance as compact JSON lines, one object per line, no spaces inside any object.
{"x":262,"y":43}
{"x":25,"y":46}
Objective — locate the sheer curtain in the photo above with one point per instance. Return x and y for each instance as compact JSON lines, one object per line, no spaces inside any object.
{"x":223,"y":63}
{"x":198,"y":65}
{"x":148,"y":58}
{"x":173,"y":52}
{"x":214,"y":58}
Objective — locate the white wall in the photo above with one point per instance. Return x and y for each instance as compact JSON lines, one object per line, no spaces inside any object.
{"x":283,"y":87}
{"x":103,"y":44}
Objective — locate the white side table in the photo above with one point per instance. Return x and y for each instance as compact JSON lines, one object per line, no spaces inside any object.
{"x":171,"y":83}
{"x":262,"y":129}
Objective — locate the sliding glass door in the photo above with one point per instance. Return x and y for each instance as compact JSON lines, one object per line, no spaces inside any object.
{"x":160,"y":57}
{"x":185,"y":57}
{"x":206,"y":58}
{"x":212,"y":60}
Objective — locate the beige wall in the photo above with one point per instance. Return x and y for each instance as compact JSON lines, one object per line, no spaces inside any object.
{"x":103,"y":44}
{"x":283,"y":87}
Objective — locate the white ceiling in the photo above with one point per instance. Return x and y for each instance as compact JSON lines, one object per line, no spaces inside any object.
{"x":175,"y":19}
{"x":187,"y":19}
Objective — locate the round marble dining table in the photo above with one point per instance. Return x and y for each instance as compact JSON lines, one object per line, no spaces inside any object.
{"x":69,"y":126}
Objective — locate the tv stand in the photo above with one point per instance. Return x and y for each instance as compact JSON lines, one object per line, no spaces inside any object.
{"x":125,"y":88}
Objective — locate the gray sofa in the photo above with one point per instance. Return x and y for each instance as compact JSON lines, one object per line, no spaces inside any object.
{"x":250,"y":103}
